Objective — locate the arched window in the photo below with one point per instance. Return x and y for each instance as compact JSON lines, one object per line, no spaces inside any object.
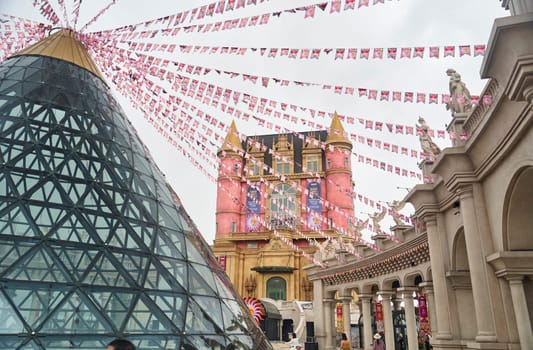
{"x":276,"y":288}
{"x":283,"y":207}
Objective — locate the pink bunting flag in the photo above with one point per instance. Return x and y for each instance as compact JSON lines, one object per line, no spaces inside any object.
{"x":449,"y":51}
{"x":310,"y":11}
{"x":464,"y":50}
{"x":479,"y":50}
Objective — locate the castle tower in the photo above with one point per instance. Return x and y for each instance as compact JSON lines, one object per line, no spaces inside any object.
{"x":339,"y":175}
{"x":229,"y":205}
{"x":94,"y":243}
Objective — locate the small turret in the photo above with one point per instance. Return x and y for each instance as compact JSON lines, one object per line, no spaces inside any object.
{"x":339,"y":174}
{"x":230,"y":169}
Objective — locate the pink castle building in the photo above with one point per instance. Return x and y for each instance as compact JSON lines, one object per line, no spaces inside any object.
{"x":274,"y":189}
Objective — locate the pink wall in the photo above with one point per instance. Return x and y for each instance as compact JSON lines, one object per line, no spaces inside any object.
{"x":228,"y":211}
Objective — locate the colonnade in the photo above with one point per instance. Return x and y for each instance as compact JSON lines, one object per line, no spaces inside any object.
{"x":391,"y":300}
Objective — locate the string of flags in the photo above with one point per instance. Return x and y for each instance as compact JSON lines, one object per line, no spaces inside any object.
{"x":370,"y":94}
{"x":46,"y":9}
{"x":175,"y":24}
{"x":219,"y":97}
{"x":334,"y":53}
{"x":97,"y":16}
{"x":198,"y":13}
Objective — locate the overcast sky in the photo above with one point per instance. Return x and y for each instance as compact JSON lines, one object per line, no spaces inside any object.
{"x":402,"y":23}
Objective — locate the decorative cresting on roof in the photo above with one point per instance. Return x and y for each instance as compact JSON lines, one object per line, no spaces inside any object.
{"x":232,"y":141}
{"x":382,"y":264}
{"x":336,"y":132}
{"x":64,"y":46}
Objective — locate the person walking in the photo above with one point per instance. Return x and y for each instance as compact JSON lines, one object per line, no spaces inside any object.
{"x":345,"y":343}
{"x":378,"y":343}
{"x":401,"y":341}
{"x":120,"y":344}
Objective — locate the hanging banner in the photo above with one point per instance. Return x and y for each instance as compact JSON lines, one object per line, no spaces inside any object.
{"x":423,"y":313}
{"x":253,"y":206}
{"x":314,"y":204}
{"x":379,"y":317}
{"x":339,"y":320}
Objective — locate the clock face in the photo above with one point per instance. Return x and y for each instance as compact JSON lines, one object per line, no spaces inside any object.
{"x":253,"y":222}
{"x":314,"y":219}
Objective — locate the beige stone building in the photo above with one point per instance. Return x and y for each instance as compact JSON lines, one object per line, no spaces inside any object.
{"x":471,"y":254}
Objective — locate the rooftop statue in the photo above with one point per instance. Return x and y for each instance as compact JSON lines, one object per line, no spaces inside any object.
{"x":396,"y":206}
{"x":460,"y":101}
{"x":359,"y":227}
{"x":376,"y":218}
{"x":428,"y":146}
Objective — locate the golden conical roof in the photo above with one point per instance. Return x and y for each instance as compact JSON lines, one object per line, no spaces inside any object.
{"x":64,"y":46}
{"x":232,"y":140}
{"x":336,"y":131}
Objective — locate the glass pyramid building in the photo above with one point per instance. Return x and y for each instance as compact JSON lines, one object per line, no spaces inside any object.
{"x":93,"y":242}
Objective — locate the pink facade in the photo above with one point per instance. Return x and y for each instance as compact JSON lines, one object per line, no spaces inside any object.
{"x":336,"y":205}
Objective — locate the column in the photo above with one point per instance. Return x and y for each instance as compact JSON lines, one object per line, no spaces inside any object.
{"x":427,"y":288}
{"x":386,"y":300}
{"x":442,"y":328}
{"x":329,"y":325}
{"x":410,"y":317}
{"x":346,"y":314}
{"x":523,"y":323}
{"x":476,"y":263}
{"x":318,"y":310}
{"x":367,"y":320}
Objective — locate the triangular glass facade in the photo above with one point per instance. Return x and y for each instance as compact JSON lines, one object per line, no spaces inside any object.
{"x":93,"y":243}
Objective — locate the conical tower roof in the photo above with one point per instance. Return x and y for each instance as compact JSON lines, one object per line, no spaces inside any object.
{"x":64,"y":46}
{"x":232,"y":141}
{"x":94,"y":244}
{"x":336,"y":132}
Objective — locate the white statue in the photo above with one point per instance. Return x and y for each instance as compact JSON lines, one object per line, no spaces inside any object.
{"x":376,"y":218}
{"x":460,"y":99}
{"x":428,"y":146}
{"x":359,"y":227}
{"x":324,"y":250}
{"x":396,"y":206}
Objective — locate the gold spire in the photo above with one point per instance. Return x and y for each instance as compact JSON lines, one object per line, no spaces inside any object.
{"x":64,"y":46}
{"x":336,"y":131}
{"x":231,"y":141}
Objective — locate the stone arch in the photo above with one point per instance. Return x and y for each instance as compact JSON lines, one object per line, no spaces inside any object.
{"x":388,"y":283}
{"x":413,"y":278}
{"x":517,"y":219}
{"x":276,"y":288}
{"x":370,"y":287}
{"x":459,"y":252}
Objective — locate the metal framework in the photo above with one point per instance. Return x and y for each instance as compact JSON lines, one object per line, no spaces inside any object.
{"x":93,"y":242}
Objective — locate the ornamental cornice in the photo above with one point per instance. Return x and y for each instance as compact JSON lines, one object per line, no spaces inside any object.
{"x":297,"y":176}
{"x":411,"y":253}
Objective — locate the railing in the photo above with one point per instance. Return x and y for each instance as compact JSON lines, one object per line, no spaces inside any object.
{"x":479,"y":112}
{"x":283,"y":222}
